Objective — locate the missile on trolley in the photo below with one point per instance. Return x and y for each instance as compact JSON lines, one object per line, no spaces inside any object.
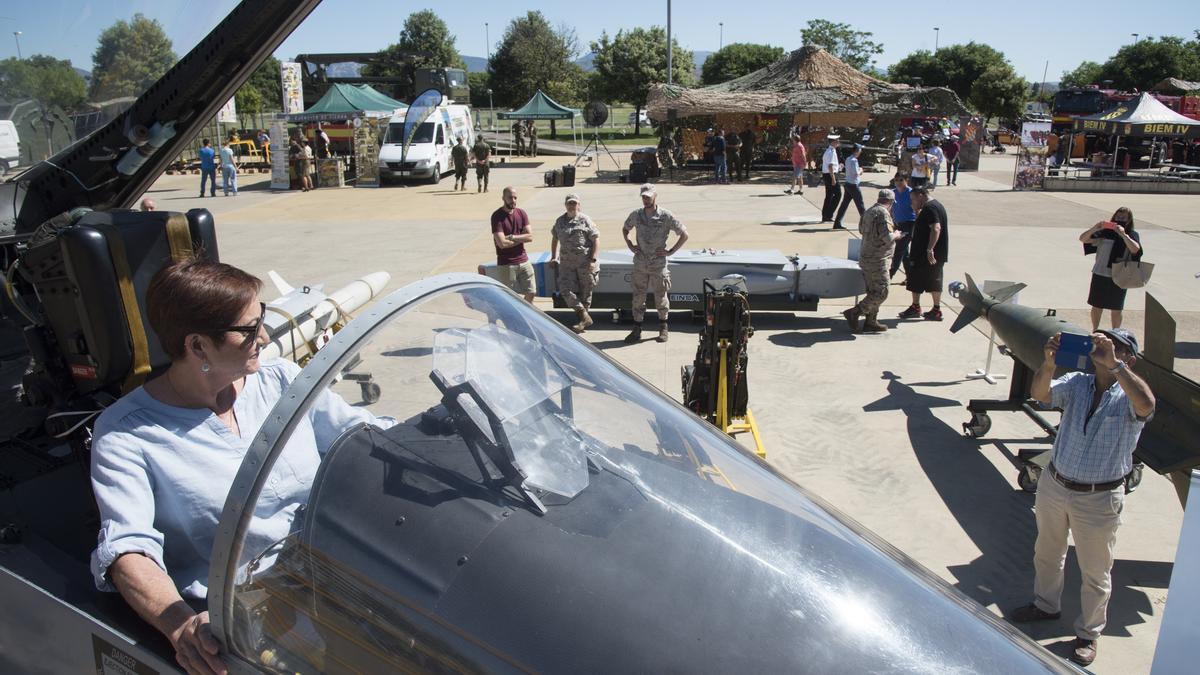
{"x":1023,"y":330}
{"x":1167,"y":443}
{"x":301,"y":320}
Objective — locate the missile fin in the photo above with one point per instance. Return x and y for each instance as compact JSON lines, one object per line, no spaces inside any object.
{"x":280,"y":285}
{"x":1159,"y":335}
{"x":964,"y":318}
{"x":1007,"y":292}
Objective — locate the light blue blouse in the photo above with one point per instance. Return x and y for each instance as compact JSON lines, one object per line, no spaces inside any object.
{"x":161,"y":474}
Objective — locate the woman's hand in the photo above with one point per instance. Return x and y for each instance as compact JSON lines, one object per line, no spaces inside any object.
{"x":196,"y":649}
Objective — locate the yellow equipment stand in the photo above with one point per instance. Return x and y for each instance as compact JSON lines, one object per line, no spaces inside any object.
{"x":723,"y":422}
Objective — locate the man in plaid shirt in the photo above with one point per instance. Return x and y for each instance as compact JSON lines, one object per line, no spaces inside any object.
{"x":1083,"y":489}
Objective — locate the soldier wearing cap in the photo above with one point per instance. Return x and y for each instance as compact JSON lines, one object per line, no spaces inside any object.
{"x":1082,"y":491}
{"x":482,"y":152}
{"x":650,"y":253}
{"x":577,"y":266}
{"x":879,"y":237}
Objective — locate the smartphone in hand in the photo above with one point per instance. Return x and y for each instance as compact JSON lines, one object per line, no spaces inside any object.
{"x":1109,"y":225}
{"x":1074,"y":351}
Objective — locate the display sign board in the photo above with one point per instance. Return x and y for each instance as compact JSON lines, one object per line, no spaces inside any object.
{"x":279,"y":155}
{"x":1035,"y":134}
{"x":366,"y":151}
{"x":293,"y":88}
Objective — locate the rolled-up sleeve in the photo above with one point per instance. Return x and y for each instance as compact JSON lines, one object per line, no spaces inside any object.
{"x":125,"y":497}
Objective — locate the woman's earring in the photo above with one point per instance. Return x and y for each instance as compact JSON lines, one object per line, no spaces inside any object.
{"x":204,"y":367}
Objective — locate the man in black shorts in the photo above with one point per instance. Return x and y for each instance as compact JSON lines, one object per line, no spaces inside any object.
{"x":927,"y":254}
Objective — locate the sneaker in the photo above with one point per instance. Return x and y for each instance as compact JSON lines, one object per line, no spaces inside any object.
{"x":788,"y":191}
{"x":912,"y":312}
{"x":1031,"y":612}
{"x":934,"y":314}
{"x":1083,"y":651}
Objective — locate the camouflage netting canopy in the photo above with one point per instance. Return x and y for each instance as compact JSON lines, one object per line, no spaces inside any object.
{"x":808,"y":80}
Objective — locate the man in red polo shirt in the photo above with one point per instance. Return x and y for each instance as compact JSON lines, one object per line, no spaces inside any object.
{"x":510,"y":233}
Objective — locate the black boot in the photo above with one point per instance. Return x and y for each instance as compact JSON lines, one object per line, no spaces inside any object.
{"x":635,"y":335}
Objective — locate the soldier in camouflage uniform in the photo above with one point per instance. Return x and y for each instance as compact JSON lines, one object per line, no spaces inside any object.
{"x":653,"y":225}
{"x":577,"y":266}
{"x":518,"y":129}
{"x":879,"y":237}
{"x":483,"y":154}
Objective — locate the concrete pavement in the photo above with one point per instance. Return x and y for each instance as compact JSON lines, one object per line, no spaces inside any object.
{"x":871,"y":424}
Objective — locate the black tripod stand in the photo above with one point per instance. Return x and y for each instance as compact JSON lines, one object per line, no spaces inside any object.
{"x":596,"y":143}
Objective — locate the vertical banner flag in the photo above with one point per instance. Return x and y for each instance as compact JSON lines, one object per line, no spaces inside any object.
{"x":228,"y":113}
{"x":293,"y":88}
{"x":420,"y":110}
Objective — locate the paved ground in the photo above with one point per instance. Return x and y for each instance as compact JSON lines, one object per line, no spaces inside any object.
{"x":870,"y":423}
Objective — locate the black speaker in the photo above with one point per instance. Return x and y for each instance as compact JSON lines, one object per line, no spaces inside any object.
{"x":595,"y":113}
{"x":568,"y":174}
{"x":638,"y":172}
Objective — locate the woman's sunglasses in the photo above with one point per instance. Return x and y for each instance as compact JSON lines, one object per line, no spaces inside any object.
{"x":251,"y":331}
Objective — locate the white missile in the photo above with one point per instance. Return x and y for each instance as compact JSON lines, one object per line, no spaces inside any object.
{"x":302,"y":319}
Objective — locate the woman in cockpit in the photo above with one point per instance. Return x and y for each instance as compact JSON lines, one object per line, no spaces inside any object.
{"x":165,"y":455}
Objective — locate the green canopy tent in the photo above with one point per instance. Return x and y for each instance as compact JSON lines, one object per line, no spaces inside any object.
{"x":542,"y":107}
{"x":346,"y":101}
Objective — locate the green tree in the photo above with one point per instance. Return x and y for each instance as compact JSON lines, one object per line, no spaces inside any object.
{"x":48,"y":81}
{"x":533,"y":55}
{"x":131,"y":56}
{"x":955,"y":66}
{"x":425,"y":42}
{"x":999,"y":92}
{"x":263,"y":92}
{"x":1088,"y":72}
{"x":479,"y":83}
{"x":735,"y":60}
{"x":632,"y":61}
{"x":1145,"y":63}
{"x":855,"y":47}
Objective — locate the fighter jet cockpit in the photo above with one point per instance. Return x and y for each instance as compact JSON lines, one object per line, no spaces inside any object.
{"x":522,"y":502}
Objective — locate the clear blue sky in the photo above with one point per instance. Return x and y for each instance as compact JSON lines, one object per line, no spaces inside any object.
{"x":1029,"y":33}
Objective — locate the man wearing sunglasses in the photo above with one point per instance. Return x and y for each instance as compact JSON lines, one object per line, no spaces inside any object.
{"x":1082,"y":491}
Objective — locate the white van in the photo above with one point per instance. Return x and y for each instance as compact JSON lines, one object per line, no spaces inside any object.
{"x":10,"y":148}
{"x":429,"y":153}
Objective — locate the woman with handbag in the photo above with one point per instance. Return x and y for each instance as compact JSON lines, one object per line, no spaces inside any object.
{"x":1113,"y":242}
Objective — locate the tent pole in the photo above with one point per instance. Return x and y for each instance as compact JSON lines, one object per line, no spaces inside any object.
{"x":1116,"y":151}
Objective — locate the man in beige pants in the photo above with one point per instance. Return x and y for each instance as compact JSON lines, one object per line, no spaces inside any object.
{"x":1082,"y":491}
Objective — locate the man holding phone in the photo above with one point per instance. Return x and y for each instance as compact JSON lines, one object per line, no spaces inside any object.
{"x":1082,"y":491}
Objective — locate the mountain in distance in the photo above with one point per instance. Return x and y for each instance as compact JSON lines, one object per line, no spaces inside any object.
{"x":478,"y":64}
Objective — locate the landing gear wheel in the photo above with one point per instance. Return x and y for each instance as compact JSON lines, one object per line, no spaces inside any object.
{"x":979,"y":425}
{"x":1028,"y":477}
{"x":370,"y":392}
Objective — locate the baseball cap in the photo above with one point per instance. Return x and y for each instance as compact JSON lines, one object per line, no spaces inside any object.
{"x":572,"y":198}
{"x":648,"y":189}
{"x":1123,"y":336}
{"x":886,"y":195}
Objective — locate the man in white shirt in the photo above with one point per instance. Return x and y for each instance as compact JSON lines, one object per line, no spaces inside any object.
{"x":853,"y":194}
{"x":829,"y":171}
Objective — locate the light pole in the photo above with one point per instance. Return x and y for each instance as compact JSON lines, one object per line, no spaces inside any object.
{"x":721,"y":43}
{"x":670,"y":51}
{"x":1135,"y":37}
{"x":487,"y":36}
{"x":17,"y":37}
{"x":937,"y":33}
{"x":492,"y":113}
